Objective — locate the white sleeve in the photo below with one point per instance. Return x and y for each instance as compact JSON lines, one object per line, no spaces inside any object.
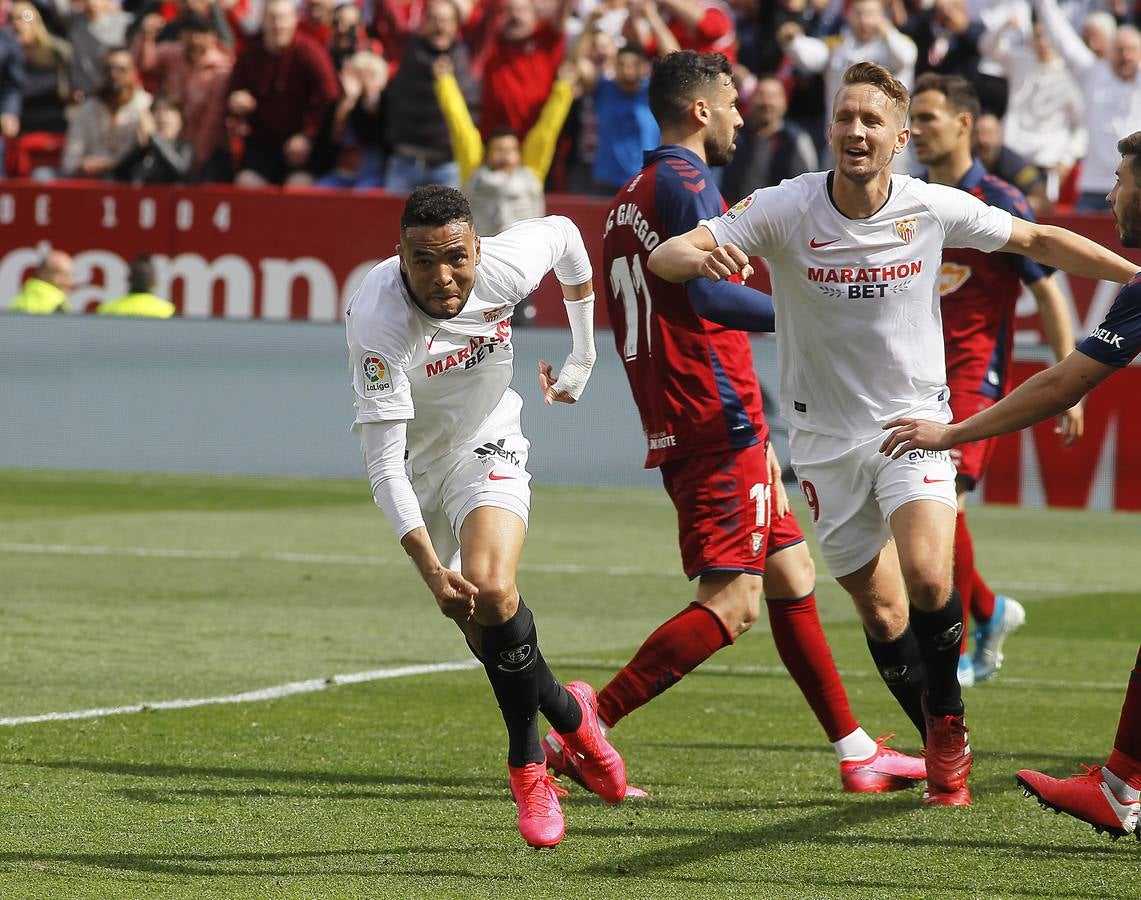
{"x":536,"y":246}
{"x":377,"y":358}
{"x":967,"y":221}
{"x":382,"y":446}
{"x":756,"y":224}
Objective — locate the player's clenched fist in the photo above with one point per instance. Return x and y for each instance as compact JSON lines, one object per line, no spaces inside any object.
{"x":454,"y":594}
{"x":724,"y":261}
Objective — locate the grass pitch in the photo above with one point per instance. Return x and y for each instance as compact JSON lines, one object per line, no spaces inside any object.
{"x":121,"y":590}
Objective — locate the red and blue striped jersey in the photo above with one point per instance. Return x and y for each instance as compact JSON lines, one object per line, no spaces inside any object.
{"x":693,"y":380}
{"x":979,"y":292}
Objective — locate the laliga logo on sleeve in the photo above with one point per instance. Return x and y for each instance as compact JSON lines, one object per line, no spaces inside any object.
{"x":739,"y":207}
{"x":376,"y":373}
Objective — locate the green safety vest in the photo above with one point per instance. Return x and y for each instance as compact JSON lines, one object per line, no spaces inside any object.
{"x":40,"y":298}
{"x":143,"y":305}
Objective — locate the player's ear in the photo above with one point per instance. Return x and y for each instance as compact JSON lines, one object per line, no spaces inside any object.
{"x":701,"y":110}
{"x":901,"y":140}
{"x":477,"y":249}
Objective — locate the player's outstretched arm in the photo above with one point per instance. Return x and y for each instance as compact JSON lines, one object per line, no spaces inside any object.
{"x":1070,"y":252}
{"x":696,"y":254}
{"x":1047,"y":394}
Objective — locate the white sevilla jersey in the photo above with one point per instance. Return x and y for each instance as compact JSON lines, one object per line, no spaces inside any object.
{"x":446,"y":377}
{"x":857,"y":300}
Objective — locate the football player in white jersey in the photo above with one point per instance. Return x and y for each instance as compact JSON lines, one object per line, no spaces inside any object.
{"x":429,"y":336}
{"x":854,"y":256}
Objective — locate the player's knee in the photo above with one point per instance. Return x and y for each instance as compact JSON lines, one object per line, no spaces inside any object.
{"x":928,"y":588}
{"x":496,"y":589}
{"x":885,"y":623}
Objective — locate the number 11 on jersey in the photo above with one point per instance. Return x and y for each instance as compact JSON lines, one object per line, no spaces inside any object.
{"x":627,"y":280}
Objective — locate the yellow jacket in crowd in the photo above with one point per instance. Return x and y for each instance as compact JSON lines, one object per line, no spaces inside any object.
{"x":146,"y":306}
{"x":40,"y":298}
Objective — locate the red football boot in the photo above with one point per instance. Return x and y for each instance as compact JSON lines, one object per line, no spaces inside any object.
{"x":885,"y":770}
{"x":600,"y":767}
{"x":948,"y":762}
{"x":537,"y":795}
{"x":1086,"y":797}
{"x":562,"y":761}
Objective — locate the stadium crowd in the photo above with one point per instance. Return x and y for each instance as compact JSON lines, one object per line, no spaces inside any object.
{"x":383,"y":93}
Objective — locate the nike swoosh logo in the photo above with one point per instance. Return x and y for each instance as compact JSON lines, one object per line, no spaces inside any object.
{"x":816,"y":245}
{"x":494,"y":477}
{"x":432,"y":338}
{"x":927,"y":479}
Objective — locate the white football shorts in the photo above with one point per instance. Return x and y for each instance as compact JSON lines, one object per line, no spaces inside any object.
{"x":489,"y":469}
{"x":852,"y":491}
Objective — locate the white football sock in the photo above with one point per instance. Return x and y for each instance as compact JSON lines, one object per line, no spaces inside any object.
{"x":856,"y":745}
{"x":1121,"y":790}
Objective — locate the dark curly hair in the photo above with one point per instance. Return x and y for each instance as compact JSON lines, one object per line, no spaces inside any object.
{"x":433,"y":205}
{"x":678,"y":78}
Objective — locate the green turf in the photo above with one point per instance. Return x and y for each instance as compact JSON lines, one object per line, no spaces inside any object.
{"x":396,"y":788}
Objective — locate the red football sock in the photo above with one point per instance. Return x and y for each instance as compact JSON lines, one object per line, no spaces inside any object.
{"x":805,"y":653}
{"x":964,"y":572}
{"x":676,"y":648}
{"x":1125,"y":761}
{"x":982,"y":599}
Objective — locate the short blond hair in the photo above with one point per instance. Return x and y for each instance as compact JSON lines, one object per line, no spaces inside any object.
{"x":879,"y":77}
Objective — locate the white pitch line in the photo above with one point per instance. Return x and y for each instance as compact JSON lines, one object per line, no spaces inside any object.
{"x":337,"y":559}
{"x":269,"y":693}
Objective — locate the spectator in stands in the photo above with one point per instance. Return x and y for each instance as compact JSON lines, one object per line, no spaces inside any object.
{"x":706,"y":26}
{"x":395,"y":21}
{"x":594,"y":56}
{"x":94,"y":28}
{"x":1044,"y":119}
{"x":46,"y":291}
{"x":47,"y":60}
{"x":349,"y":36}
{"x":104,"y":127}
{"x":416,"y":133}
{"x":12,"y":82}
{"x":1098,"y":29}
{"x":140,"y":301}
{"x":1011,"y":167}
{"x":503,"y":181}
{"x":194,"y":72}
{"x":1112,"y":91}
{"x":356,"y":134}
{"x":947,"y":40}
{"x":522,"y":60}
{"x":646,"y":27}
{"x":284,"y":86}
{"x":317,"y":20}
{"x":626,"y":127}
{"x":868,"y":36}
{"x":769,"y":149}
{"x":162,"y":155}
{"x":162,"y":21}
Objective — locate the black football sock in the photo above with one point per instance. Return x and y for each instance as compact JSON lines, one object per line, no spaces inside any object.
{"x":939,"y":634}
{"x":900,"y":664}
{"x":521,"y":680}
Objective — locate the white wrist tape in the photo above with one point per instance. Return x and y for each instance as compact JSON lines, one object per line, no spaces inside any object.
{"x":576,"y":370}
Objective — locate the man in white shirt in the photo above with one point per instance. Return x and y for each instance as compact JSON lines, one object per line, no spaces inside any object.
{"x":429,"y":336}
{"x":1112,"y":92}
{"x":854,"y":256}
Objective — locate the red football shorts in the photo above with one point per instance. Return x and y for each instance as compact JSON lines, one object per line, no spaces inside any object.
{"x":971,"y":459}
{"x":725,"y":515}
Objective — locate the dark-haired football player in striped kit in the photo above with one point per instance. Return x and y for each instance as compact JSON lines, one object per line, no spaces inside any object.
{"x":690,"y":367}
{"x":979,"y":292}
{"x":1109,"y":796}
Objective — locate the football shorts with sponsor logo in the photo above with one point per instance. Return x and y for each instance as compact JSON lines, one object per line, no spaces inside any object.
{"x":971,"y":459}
{"x":852,"y":491}
{"x":725,"y":516}
{"x":488,"y":469}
